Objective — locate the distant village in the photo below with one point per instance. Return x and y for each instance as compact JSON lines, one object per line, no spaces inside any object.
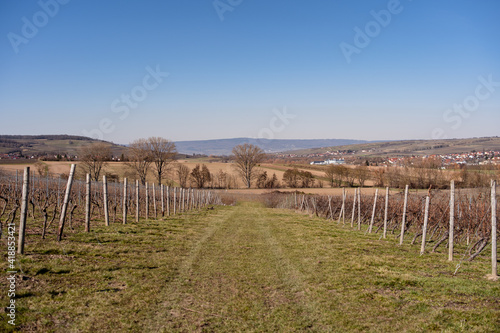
{"x":339,"y":157}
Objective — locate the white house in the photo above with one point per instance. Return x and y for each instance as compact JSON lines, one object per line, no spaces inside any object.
{"x":330,"y":161}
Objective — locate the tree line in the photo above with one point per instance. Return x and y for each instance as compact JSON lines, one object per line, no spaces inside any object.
{"x":158,"y":155}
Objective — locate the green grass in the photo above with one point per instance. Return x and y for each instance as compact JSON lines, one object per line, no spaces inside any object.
{"x":246,"y":268}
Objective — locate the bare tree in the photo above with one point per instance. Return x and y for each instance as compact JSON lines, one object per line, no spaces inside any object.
{"x":262,"y":180}
{"x":163,"y":153}
{"x":182,"y":173}
{"x":350,"y":175}
{"x":297,"y":178}
{"x":246,"y":158}
{"x":336,"y":174}
{"x":362,"y":174}
{"x":201,"y":175}
{"x":140,"y":158}
{"x":222,"y":179}
{"x":292,"y":177}
{"x":94,"y":157}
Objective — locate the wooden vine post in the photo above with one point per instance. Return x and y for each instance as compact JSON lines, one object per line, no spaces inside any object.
{"x":147,"y":201}
{"x":162,"y":189}
{"x":403,"y":222}
{"x":192,"y":198}
{"x":452,"y":221}
{"x":494,"y":275}
{"x":386,"y":211}
{"x":183,"y":200}
{"x":137,"y":206}
{"x":124,"y":201}
{"x":179,"y":200}
{"x":24,"y":209}
{"x":354,"y":207}
{"x":342,"y":210}
{"x":373,"y":211}
{"x":154,"y":201}
{"x":174,"y":203}
{"x":65,"y":202}
{"x":359,"y":209}
{"x":105,"y":194}
{"x":426,"y":221}
{"x":168,"y":200}
{"x":88,"y":184}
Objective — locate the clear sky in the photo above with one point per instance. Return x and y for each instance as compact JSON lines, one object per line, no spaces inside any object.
{"x":192,"y":69}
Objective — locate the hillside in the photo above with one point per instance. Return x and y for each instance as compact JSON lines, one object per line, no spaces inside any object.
{"x":412,"y":147}
{"x":225,"y":146}
{"x":28,"y":145}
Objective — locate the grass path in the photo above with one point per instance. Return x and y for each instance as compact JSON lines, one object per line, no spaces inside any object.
{"x":237,"y":278}
{"x":246,"y":268}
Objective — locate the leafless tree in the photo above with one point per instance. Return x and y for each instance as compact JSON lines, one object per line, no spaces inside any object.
{"x":221,"y":179}
{"x":201,"y":175}
{"x":246,"y":158}
{"x":291,"y":177}
{"x":140,"y":158}
{"x":163,"y":153}
{"x":336,"y":174}
{"x":263,"y":181}
{"x":362,"y":174}
{"x":182,"y":173}
{"x":94,"y":157}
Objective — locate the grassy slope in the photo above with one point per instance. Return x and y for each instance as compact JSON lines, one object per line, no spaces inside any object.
{"x":61,"y":145}
{"x":246,"y":268}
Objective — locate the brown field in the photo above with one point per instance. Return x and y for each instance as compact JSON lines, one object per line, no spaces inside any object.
{"x":336,"y":191}
{"x":122,"y":170}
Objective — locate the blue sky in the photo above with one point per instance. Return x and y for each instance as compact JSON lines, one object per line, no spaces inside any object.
{"x":373,"y":70}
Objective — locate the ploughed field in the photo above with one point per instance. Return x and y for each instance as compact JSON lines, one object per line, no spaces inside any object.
{"x":243,"y":268}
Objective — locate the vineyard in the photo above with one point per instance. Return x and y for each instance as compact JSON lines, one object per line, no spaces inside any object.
{"x":51,"y":206}
{"x":441,"y":218}
{"x":193,"y":258}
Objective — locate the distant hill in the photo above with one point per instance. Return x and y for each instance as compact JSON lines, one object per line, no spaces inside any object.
{"x":225,"y":146}
{"x":414,"y":147}
{"x":28,"y":145}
